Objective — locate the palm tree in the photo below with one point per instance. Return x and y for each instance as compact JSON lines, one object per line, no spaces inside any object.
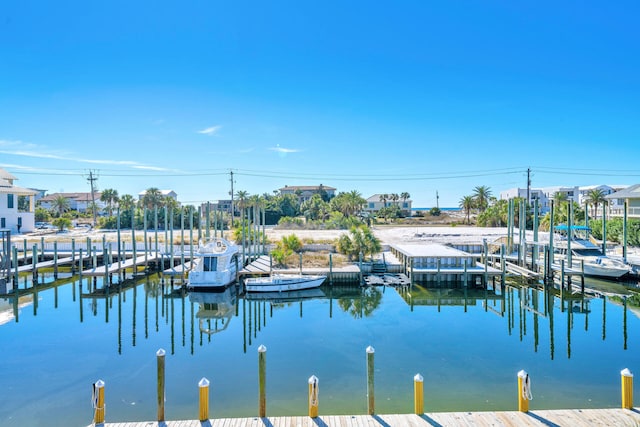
{"x":383,"y":199}
{"x":405,"y":196}
{"x":481,"y":196}
{"x":110,"y":197}
{"x":394,"y":198}
{"x":596,"y":197}
{"x":467,"y":203}
{"x":60,"y":204}
{"x":152,"y":198}
{"x":126,"y":202}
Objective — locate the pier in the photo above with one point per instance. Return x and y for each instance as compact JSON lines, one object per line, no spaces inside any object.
{"x":560,"y":417}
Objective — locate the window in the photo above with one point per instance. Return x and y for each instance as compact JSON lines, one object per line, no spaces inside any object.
{"x":372,"y":205}
{"x":3,"y":222}
{"x":10,"y":201}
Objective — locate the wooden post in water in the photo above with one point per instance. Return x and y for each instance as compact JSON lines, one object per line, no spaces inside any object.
{"x":418,"y":394}
{"x":370,"y":382}
{"x":465,"y":273}
{"x":24,"y":252}
{"x":118,"y":236}
{"x":536,"y":249}
{"x":155,"y":227}
{"x":133,"y":239}
{"x":34,"y":260}
{"x":627,"y":388}
{"x":330,"y":268}
{"x":55,"y":260}
{"x":551,"y":226}
{"x":262,"y":381}
{"x":15,"y":269}
{"x":569,"y":233}
{"x":301,"y":262}
{"x":624,"y":231}
{"x":98,"y":402}
{"x":523,"y":391}
{"x":360,"y":265}
{"x":604,"y":229}
{"x":146,"y":247}
{"x":203,"y":391}
{"x":73,"y":257}
{"x":313,"y":396}
{"x":160,"y":355}
{"x":485,"y":248}
{"x":41,"y":256}
{"x":207,"y":221}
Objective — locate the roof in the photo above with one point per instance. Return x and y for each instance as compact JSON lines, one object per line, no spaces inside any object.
{"x":430,"y":251}
{"x":632,"y":192}
{"x":76,"y":196}
{"x":307,"y":187}
{"x":5,"y":187}
{"x":6,"y":175}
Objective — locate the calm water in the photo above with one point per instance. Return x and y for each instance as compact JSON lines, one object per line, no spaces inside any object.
{"x":468,"y":350}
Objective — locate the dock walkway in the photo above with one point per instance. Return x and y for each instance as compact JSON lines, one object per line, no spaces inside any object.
{"x":560,"y":418}
{"x":118,"y":266}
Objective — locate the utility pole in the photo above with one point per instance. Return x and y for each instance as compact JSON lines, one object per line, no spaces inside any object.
{"x":528,"y":186}
{"x":437,"y":200}
{"x":232,"y":206}
{"x":91,"y":179}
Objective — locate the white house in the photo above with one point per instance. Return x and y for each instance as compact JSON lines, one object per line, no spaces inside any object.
{"x":17,"y":205}
{"x":77,"y":201}
{"x":616,"y":202}
{"x":165,"y":193}
{"x":376,"y":202}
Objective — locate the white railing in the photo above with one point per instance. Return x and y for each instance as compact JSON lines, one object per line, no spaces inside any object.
{"x":631,"y":212}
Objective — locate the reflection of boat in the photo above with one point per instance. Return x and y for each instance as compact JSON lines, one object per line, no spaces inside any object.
{"x":216,"y":306}
{"x":596,"y":263}
{"x":283,"y":282}
{"x":215,"y":266}
{"x":290,"y":296}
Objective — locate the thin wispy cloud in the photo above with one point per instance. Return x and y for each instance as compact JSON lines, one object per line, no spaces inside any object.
{"x":283,"y":150}
{"x":33,"y":151}
{"x":210,"y":131}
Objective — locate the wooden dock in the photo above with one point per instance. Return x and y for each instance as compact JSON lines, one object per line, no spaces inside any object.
{"x":559,"y":418}
{"x":118,"y":266}
{"x":262,"y":266}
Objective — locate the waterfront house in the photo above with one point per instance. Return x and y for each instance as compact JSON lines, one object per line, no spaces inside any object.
{"x":79,"y":202}
{"x":305,"y":192}
{"x":616,"y":202}
{"x":165,"y":193}
{"x":377,"y":202}
{"x":17,"y":205}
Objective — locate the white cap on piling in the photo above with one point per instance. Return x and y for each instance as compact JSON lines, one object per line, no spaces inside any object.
{"x":313,"y":379}
{"x":626,"y":373}
{"x":99,"y":384}
{"x":161,"y":352}
{"x":522,"y":374}
{"x":203,"y":382}
{"x":262,"y":348}
{"x":370,"y":350}
{"x":418,"y":378}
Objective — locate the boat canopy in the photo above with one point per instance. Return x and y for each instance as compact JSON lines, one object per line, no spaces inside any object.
{"x":563,"y":227}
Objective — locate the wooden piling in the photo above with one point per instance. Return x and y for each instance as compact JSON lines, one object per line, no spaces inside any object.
{"x":418,"y":395}
{"x":203,"y":392}
{"x":262,"y":381}
{"x":370,"y":381}
{"x":160,"y":356}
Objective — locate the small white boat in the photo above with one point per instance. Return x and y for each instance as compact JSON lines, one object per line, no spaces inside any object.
{"x":215,"y":266}
{"x":283,"y":282}
{"x":596,"y":263}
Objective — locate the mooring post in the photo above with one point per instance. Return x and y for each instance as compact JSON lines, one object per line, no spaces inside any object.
{"x":313,"y":396}
{"x":160,"y":354}
{"x":15,"y":269}
{"x":370,"y":389}
{"x":418,"y":394}
{"x":300,"y":262}
{"x":80,"y":272}
{"x":73,"y":257}
{"x":262,"y":381}
{"x":627,"y":388}
{"x":360,"y":266}
{"x":524,"y":394}
{"x":55,"y":260}
{"x":203,"y":388}
{"x":330,"y":269}
{"x":98,"y":402}
{"x":34,"y":260}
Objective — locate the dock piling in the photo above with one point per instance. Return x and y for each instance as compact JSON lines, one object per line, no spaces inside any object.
{"x":160,"y":355}
{"x":313,"y":396}
{"x":203,"y":389}
{"x":627,"y":388}
{"x":370,"y":388}
{"x":418,"y":394}
{"x":524,"y":391}
{"x":98,"y":402}
{"x":262,"y":381}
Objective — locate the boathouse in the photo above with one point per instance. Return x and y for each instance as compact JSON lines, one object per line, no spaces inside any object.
{"x":442,"y":264}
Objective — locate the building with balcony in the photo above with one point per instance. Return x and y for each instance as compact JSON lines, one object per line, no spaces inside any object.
{"x":17,"y":205}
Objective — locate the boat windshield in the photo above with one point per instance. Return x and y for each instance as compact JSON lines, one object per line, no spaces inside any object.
{"x":587,"y":252}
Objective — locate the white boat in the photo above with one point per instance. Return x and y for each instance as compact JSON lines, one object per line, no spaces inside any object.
{"x":596,"y":263}
{"x":283,"y":282}
{"x":215,"y":309}
{"x":215,"y":265}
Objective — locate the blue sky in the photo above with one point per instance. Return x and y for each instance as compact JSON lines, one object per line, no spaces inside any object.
{"x":415,"y":96}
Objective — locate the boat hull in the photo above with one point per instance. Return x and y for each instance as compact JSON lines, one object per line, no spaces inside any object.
{"x":282,"y":283}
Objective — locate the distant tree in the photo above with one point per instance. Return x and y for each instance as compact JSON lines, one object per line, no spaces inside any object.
{"x":481,"y":195}
{"x":383,"y":199}
{"x":394,"y":198}
{"x":348,"y":203}
{"x":42,"y":215}
{"x":595,"y":197}
{"x":152,"y":198}
{"x":110,"y":197}
{"x":360,"y":240}
{"x":60,"y":204}
{"x":62,"y":223}
{"x":467,"y":203}
{"x":126,"y":202}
